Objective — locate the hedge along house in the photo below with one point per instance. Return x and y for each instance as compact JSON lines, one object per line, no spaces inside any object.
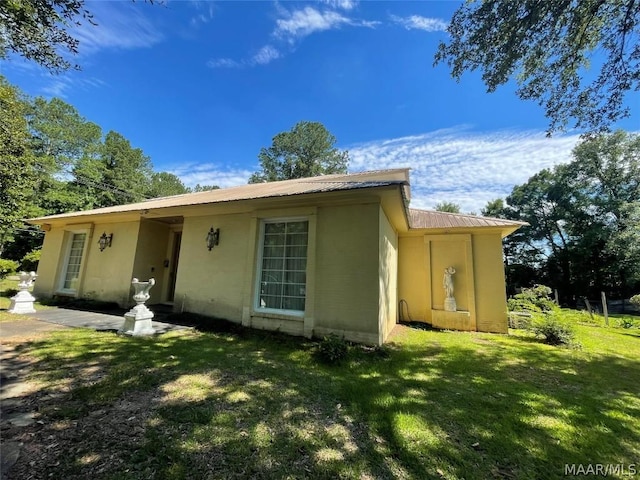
{"x":311,"y":256}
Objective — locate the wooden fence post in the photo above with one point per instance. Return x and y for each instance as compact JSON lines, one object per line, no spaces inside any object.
{"x":604,"y":308}
{"x":586,"y":302}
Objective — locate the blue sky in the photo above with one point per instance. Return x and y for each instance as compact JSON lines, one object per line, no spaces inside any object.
{"x":200,"y":87}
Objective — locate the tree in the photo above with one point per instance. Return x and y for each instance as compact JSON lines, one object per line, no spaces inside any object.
{"x":38,"y":30}
{"x":584,"y":233}
{"x":165,"y":184}
{"x":61,"y":138}
{"x":547,"y":47}
{"x":305,"y":151}
{"x":204,"y":188}
{"x":448,"y":207}
{"x":17,"y":163}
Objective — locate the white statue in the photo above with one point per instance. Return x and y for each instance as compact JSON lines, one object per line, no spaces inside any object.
{"x":447,"y":283}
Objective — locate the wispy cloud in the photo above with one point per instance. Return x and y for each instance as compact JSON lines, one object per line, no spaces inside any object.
{"x":417,"y":22}
{"x":119,"y":26}
{"x":464,"y":167}
{"x":294,"y":25}
{"x":60,"y":85}
{"x":341,"y":4}
{"x":205,"y":13}
{"x":263,"y":56}
{"x":454,"y":165}
{"x":301,"y":23}
{"x":192,"y":174}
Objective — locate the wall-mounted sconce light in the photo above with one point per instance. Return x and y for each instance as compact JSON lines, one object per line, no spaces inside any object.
{"x":105,"y":240}
{"x":213,"y":238}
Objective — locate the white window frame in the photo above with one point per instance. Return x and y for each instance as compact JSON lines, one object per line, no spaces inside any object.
{"x":69,"y":234}
{"x":257,"y":307}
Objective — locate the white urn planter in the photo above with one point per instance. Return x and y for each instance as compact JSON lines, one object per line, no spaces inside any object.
{"x":22,"y":302}
{"x":137,"y":321}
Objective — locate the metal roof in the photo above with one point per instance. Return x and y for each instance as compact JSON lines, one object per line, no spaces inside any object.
{"x":433,"y":219}
{"x":324,"y":183}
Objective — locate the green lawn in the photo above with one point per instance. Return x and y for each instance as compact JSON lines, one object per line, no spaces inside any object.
{"x":254,"y":405}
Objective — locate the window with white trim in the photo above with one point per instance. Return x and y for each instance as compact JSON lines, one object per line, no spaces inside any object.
{"x":283,"y":265}
{"x":73,"y":262}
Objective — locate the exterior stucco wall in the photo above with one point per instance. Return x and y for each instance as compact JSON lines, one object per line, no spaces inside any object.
{"x":491,"y":300}
{"x":50,"y":257}
{"x":347,"y":280}
{"x":479,"y":282}
{"x":213,"y":282}
{"x":388,"y":275}
{"x":413,"y":280}
{"x":107,"y":274}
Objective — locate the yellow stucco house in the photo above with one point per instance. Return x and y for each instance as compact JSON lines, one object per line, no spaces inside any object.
{"x":313,"y":256}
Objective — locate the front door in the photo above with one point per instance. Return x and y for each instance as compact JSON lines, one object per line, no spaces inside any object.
{"x":173,"y":265}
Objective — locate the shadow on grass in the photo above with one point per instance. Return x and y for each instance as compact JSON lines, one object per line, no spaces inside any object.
{"x":258,"y":406}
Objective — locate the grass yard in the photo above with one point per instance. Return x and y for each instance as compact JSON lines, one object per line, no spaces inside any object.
{"x":256,"y":405}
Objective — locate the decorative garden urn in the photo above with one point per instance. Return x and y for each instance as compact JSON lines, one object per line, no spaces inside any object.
{"x":137,"y":321}
{"x":22,"y":302}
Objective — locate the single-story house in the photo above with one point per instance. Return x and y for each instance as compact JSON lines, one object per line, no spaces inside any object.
{"x":311,"y":256}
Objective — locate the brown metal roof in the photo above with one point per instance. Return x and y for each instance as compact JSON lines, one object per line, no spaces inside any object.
{"x":433,"y":219}
{"x":324,"y":183}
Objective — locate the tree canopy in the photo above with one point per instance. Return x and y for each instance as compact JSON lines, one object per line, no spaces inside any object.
{"x":307,"y":150}
{"x":38,"y":30}
{"x":52,"y":160}
{"x":448,"y":207}
{"x":584,"y":217}
{"x":549,"y":48}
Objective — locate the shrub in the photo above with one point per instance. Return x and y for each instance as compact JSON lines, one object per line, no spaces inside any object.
{"x":30,"y":261}
{"x":535,"y":299}
{"x":7,"y":267}
{"x":627,"y":322}
{"x":333,"y":349}
{"x":552,"y":330}
{"x":635,"y":301}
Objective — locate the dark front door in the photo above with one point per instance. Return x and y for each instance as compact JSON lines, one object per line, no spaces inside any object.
{"x":173,"y":265}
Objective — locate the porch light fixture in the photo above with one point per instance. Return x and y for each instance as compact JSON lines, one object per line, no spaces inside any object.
{"x":213,"y":238}
{"x":105,"y":240}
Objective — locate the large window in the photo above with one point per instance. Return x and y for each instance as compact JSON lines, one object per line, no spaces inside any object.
{"x":73,"y":262}
{"x":283,"y":265}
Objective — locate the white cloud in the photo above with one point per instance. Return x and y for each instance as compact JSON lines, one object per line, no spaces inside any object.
{"x":224,"y":63}
{"x":119,"y":26}
{"x":454,"y":165}
{"x":463,"y":167}
{"x":59,"y":86}
{"x":211,"y":174}
{"x":204,"y":15}
{"x":301,"y":23}
{"x":265,"y":55}
{"x":293,"y":26}
{"x":342,"y":4}
{"x":417,"y":22}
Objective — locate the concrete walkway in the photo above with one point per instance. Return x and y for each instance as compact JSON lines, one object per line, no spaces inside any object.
{"x":96,"y":321}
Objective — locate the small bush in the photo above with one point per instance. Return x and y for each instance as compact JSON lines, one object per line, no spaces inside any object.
{"x":626,"y":322}
{"x":553,"y":331}
{"x":535,"y":299}
{"x":30,"y":261}
{"x":7,"y":267}
{"x":635,"y":301}
{"x":332,"y":349}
